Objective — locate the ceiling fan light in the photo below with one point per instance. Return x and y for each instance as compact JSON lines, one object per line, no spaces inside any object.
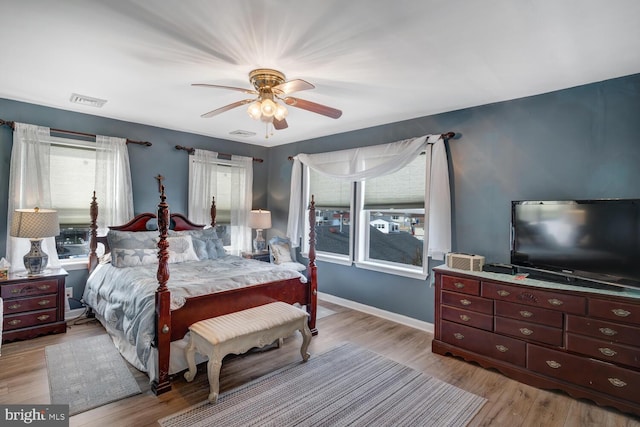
{"x":281,"y":112}
{"x":254,"y":110}
{"x":268,"y":108}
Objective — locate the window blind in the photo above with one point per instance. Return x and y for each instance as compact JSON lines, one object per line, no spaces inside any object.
{"x":72,"y":170}
{"x":330,"y":192}
{"x":403,"y":189}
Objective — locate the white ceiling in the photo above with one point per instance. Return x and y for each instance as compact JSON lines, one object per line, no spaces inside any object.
{"x":379,"y":61}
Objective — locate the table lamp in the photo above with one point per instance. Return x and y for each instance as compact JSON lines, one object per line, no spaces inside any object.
{"x":260,"y":220}
{"x":35,"y":224}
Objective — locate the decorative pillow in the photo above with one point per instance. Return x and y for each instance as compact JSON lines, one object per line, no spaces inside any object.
{"x":181,"y":249}
{"x":281,"y":253}
{"x":133,"y":257}
{"x":209,"y":237}
{"x":132,"y":239}
{"x":200,"y":248}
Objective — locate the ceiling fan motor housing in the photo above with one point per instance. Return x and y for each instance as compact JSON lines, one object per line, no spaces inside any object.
{"x":263,"y":79}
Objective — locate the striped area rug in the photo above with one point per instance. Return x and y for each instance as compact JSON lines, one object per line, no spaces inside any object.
{"x":347,"y":385}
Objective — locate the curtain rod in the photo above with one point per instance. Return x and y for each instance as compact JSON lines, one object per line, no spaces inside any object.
{"x":192,"y":150}
{"x":12,"y":125}
{"x":446,"y":136}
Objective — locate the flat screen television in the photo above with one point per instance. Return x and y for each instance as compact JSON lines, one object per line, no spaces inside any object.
{"x":590,"y":242}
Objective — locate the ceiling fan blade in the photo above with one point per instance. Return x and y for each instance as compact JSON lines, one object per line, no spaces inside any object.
{"x":280,"y":124}
{"x":292,"y":86}
{"x":239,"y":89}
{"x":313,"y":107}
{"x":226,"y":108}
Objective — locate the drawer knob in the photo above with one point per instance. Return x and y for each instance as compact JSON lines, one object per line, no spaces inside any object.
{"x":620,"y":312}
{"x":44,"y":287}
{"x":525,"y":313}
{"x":607,"y":351}
{"x":464,"y":318}
{"x":555,"y":301}
{"x":553,"y":364}
{"x":458,"y":336}
{"x":15,"y":291}
{"x":43,"y":302}
{"x":15,"y":322}
{"x":465,"y":302}
{"x":617,"y":382}
{"x":526,"y":331}
{"x":14,"y":306}
{"x":503,"y":293}
{"x":608,"y":332}
{"x":43,"y":317}
{"x":459,"y":285}
{"x":502,"y":348}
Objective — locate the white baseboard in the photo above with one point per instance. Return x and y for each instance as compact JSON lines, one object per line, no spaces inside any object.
{"x":394,"y":317}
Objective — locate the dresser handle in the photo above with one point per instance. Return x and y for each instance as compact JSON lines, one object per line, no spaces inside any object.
{"x":556,"y":302}
{"x":465,"y":302}
{"x":43,"y":302}
{"x":617,"y":382}
{"x":43,"y":317}
{"x":525,"y":313}
{"x":14,"y":306}
{"x":525,"y":331}
{"x":464,"y":318}
{"x":15,"y":322}
{"x":16,"y":291}
{"x":553,"y":364}
{"x":44,"y":287}
{"x":502,"y":348}
{"x":503,"y":293}
{"x":608,"y":332}
{"x":607,"y":351}
{"x":459,"y":285}
{"x":620,"y":312}
{"x":458,"y":336}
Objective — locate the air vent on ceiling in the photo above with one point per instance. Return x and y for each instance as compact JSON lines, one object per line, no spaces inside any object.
{"x":242,"y":133}
{"x":87,"y":100}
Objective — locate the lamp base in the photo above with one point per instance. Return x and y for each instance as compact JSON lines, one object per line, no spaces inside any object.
{"x":36,"y":260}
{"x":259,"y":244}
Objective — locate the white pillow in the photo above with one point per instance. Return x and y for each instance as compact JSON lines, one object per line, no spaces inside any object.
{"x":121,"y":257}
{"x":281,"y":253}
{"x":181,"y":249}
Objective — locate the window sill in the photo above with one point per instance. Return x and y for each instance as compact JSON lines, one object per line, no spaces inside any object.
{"x":395,"y":270}
{"x":325,"y":257}
{"x":71,"y":265}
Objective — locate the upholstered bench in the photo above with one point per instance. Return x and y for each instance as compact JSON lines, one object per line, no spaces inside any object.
{"x":241,"y":331}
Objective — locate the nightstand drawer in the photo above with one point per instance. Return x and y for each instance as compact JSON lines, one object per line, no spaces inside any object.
{"x":30,"y":288}
{"x":16,"y":321}
{"x":26,"y":304}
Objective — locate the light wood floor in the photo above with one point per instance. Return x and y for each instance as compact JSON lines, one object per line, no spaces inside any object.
{"x":23,"y":377}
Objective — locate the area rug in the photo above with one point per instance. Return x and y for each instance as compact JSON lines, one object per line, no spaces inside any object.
{"x":88,"y":373}
{"x":347,"y":385}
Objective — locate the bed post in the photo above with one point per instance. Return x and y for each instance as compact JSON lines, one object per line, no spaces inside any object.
{"x":213,"y":211}
{"x":163,"y":312}
{"x":93,"y":240}
{"x":312,"y":270}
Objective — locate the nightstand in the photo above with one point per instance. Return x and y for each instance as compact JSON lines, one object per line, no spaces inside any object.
{"x":260,"y":256}
{"x":33,"y":305}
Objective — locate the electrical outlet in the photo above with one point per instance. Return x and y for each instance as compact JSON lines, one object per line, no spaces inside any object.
{"x":68,"y":293}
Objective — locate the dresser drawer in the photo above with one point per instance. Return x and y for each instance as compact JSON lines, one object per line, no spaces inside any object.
{"x":542,"y":316}
{"x":529,"y":331}
{"x":16,"y":321}
{"x":593,"y":374}
{"x":467,"y":317}
{"x":603,"y":350}
{"x":608,"y":331}
{"x":468,"y":302}
{"x":30,"y":288}
{"x":488,"y":344}
{"x":613,"y":310}
{"x":534,"y":297}
{"x":27,"y":304}
{"x":459,"y":284}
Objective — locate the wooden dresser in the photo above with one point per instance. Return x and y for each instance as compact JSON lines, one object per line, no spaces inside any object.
{"x":583,"y":341}
{"x":33,"y":306}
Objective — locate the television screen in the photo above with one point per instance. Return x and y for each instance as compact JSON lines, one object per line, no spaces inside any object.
{"x":590,"y":239}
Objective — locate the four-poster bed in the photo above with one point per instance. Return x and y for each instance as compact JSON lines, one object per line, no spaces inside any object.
{"x":174,"y":308}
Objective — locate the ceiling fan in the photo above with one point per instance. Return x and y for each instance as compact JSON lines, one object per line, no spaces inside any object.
{"x":271,"y":87}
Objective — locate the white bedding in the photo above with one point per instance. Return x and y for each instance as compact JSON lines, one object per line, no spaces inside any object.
{"x":124,"y":298}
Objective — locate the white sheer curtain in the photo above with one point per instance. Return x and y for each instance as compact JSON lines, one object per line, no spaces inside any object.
{"x":113,"y":182}
{"x":29,"y":187}
{"x":241,"y":200}
{"x":358,"y":164}
{"x":203,"y":177}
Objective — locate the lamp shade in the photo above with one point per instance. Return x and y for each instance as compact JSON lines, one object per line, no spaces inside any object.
{"x":260,"y":219}
{"x":34,"y":223}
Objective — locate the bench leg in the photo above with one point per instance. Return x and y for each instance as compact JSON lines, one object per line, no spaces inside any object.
{"x":306,"y":339}
{"x":190,"y":355}
{"x":213,"y":371}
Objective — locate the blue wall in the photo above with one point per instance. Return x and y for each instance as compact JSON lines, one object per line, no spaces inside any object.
{"x":576,"y":143}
